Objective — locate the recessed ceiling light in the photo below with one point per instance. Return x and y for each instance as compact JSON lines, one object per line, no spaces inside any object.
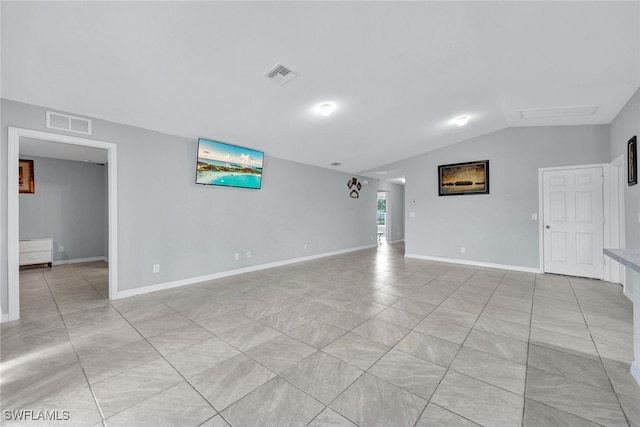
{"x":462,"y":120}
{"x":326,"y":109}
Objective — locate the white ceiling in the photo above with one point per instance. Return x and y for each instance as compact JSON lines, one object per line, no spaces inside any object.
{"x":398,"y":72}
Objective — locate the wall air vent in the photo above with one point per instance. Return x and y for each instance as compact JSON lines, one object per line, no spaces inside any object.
{"x":543,"y":113}
{"x":336,"y":164}
{"x":281,"y":75}
{"x":68,"y":123}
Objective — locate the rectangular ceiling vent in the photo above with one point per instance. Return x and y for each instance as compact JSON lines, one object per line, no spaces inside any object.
{"x":68,"y":123}
{"x":281,"y":75}
{"x":543,"y":113}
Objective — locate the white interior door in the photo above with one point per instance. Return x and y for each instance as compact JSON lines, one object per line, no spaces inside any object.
{"x":573,"y":222}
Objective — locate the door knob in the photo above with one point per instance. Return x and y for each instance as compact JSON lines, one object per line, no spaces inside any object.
{"x":547,"y":227}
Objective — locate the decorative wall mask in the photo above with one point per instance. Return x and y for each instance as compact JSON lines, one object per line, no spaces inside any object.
{"x":355,"y":186}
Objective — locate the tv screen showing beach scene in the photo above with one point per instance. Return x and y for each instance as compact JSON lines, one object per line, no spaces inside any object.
{"x":228,"y":165}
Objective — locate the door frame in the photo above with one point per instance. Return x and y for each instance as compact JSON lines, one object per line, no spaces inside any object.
{"x":613,"y":270}
{"x":607,"y":199}
{"x":386,"y":215}
{"x":13,"y":206}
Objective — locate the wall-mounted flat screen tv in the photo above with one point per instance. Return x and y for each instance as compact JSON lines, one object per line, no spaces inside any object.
{"x":228,"y":165}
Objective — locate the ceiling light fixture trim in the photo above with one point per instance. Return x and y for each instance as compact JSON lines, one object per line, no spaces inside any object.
{"x":326,"y":109}
{"x":462,"y":120}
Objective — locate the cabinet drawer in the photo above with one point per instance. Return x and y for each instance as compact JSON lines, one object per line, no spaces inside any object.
{"x":35,"y":245}
{"x":35,"y":257}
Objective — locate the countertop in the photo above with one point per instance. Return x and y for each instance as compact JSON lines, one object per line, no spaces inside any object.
{"x":627,"y":257}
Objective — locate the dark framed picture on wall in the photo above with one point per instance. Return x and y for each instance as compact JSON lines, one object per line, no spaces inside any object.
{"x":26,"y":183}
{"x":463,"y":178}
{"x":632,"y":161}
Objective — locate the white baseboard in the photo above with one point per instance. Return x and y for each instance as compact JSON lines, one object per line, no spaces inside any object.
{"x":635,"y":370}
{"x":79,"y":260}
{"x":475,"y":263}
{"x":5,"y":318}
{"x":627,"y":294}
{"x":395,"y":241}
{"x":193,"y":280}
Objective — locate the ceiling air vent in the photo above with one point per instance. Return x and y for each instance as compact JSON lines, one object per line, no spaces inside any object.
{"x":336,"y":164}
{"x":68,"y":123}
{"x":543,"y":113}
{"x":281,"y":75}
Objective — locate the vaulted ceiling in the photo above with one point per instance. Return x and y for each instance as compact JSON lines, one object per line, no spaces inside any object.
{"x":398,"y":73}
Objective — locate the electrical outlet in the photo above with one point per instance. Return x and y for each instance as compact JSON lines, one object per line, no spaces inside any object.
{"x":248,"y":254}
{"x":304,"y":246}
{"x":156,"y":268}
{"x":60,"y":248}
{"x":463,"y":250}
{"x":534,"y":216}
{"x":237,"y":256}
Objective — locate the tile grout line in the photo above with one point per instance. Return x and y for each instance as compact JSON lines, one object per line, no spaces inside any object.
{"x":363,"y":370}
{"x":277,"y":375}
{"x":526,"y":376}
{"x":448,"y":367}
{"x":162,"y":356}
{"x":267,"y":297}
{"x":568,"y":280}
{"x":75,"y":350}
{"x":613,"y":390}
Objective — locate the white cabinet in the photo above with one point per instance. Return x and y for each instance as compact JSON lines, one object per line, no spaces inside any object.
{"x":36,"y":251}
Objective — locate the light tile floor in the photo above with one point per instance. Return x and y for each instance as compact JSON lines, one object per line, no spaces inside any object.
{"x":367,"y":338}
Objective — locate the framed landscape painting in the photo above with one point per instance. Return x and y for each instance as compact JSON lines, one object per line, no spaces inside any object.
{"x":632,"y":159}
{"x":26,"y":183}
{"x":463,"y":178}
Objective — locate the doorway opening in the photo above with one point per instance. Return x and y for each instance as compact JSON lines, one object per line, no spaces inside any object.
{"x":382,"y":216}
{"x":99,"y":278}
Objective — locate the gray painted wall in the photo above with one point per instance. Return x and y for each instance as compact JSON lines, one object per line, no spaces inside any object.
{"x":626,"y":125}
{"x":495,"y":228}
{"x":70,"y":205}
{"x":395,"y":210}
{"x":193,"y":230}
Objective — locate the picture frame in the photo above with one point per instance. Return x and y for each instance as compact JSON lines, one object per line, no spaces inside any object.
{"x":632,"y":161}
{"x":26,"y":181}
{"x":228,"y":165}
{"x":463,"y":178}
